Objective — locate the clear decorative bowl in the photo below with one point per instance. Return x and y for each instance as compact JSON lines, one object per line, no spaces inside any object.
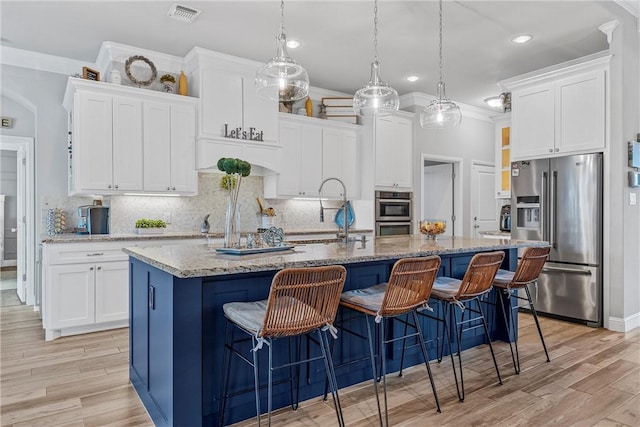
{"x":433,"y":227}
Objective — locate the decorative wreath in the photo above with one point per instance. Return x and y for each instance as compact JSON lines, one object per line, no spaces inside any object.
{"x":127,"y":70}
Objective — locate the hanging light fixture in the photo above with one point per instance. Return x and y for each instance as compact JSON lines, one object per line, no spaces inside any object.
{"x":376,"y":97}
{"x":281,"y":79}
{"x":441,"y":113}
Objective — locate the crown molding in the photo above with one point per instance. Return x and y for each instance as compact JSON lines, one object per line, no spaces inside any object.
{"x":631,"y":6}
{"x":42,"y":61}
{"x":420,"y":99}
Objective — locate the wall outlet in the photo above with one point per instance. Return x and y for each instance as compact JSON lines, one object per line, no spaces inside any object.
{"x":283,"y":217}
{"x":166,"y":217}
{"x":633,"y":200}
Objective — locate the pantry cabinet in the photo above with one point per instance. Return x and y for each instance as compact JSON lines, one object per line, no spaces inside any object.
{"x":394,"y":152}
{"x":313,"y":150}
{"x":503,"y":156}
{"x":560,"y":111}
{"x":116,"y":133}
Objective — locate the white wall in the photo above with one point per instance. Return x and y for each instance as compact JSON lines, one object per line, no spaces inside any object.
{"x":23,"y":118}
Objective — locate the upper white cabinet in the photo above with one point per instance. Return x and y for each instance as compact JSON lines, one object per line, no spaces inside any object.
{"x":394,"y":151}
{"x":559,"y":112}
{"x":313,"y":150}
{"x":169,"y":155}
{"x":503,"y":156}
{"x":117,"y":134}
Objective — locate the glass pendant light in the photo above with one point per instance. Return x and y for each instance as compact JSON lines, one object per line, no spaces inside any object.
{"x":281,"y":79}
{"x":441,"y":113}
{"x":376,"y":97}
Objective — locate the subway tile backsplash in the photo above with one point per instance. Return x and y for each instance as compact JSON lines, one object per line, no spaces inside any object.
{"x":187,"y":213}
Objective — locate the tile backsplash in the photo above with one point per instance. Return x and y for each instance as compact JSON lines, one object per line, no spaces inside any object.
{"x":187,"y":213}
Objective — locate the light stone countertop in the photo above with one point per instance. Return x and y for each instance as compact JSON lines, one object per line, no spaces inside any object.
{"x":80,"y":238}
{"x":201,"y":260}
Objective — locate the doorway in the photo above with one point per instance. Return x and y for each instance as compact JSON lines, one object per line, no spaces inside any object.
{"x":441,"y":192}
{"x":484,"y":205}
{"x":24,"y":213}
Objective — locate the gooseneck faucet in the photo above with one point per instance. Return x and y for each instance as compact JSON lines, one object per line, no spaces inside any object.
{"x":344,"y":206}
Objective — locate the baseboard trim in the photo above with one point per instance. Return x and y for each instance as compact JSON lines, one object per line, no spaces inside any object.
{"x":627,"y":324}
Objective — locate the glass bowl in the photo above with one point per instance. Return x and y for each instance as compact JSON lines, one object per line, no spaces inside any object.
{"x":433,"y":227}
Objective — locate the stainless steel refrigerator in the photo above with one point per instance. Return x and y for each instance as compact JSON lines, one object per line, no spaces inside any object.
{"x":559,"y":200}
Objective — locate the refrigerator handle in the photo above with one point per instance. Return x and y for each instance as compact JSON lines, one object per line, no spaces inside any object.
{"x":552,"y":211}
{"x":543,"y":207}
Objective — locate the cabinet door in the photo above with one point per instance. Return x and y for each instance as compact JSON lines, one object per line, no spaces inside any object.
{"x":311,"y":160}
{"x":184,"y":177}
{"x":157,"y":147}
{"x":127,"y":143}
{"x":221,"y":102}
{"x":288,"y":181}
{"x":503,"y":159}
{"x":580,"y":112}
{"x":259,"y":113}
{"x":112,"y":291}
{"x":72,"y":294}
{"x":92,"y":142}
{"x":394,"y":152}
{"x":533,"y":122}
{"x":339,"y":160}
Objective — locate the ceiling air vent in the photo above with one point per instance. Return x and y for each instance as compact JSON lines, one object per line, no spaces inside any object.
{"x":183,"y":13}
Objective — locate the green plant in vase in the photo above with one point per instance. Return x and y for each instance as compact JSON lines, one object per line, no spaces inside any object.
{"x":234,"y":170}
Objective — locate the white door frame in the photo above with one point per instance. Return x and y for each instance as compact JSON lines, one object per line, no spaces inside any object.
{"x":25,"y":288}
{"x":457,"y":188}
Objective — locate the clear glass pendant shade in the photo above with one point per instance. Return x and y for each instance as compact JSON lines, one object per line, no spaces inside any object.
{"x":377,"y":97}
{"x":441,"y":113}
{"x":281,"y":79}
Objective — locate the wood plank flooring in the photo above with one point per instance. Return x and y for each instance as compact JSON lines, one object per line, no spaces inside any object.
{"x":593,"y":380}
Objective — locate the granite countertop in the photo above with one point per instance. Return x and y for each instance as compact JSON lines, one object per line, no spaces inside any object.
{"x":200,"y":260}
{"x":80,"y":238}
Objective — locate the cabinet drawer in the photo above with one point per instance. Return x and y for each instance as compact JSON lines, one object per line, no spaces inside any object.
{"x":81,"y":253}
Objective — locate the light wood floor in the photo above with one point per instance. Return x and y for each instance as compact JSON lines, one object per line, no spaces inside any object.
{"x":593,"y":380}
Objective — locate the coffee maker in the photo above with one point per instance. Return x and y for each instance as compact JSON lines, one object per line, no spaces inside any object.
{"x":93,"y":219}
{"x":505,"y":218}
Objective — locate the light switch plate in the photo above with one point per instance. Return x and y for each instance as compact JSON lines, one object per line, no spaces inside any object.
{"x":166,"y":217}
{"x":633,"y":199}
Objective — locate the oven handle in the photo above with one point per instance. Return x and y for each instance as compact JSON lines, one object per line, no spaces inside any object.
{"x":394,"y":200}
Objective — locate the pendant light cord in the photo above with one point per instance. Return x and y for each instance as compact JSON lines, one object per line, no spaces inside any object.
{"x":440,"y":46}
{"x":282,"y":17}
{"x":375,"y":30}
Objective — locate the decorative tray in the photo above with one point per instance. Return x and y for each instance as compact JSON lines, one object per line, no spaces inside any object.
{"x":248,"y":251}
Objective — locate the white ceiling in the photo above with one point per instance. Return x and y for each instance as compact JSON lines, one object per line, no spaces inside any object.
{"x":337,"y":36}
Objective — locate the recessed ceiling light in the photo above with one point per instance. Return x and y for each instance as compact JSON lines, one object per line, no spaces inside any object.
{"x":522,"y":38}
{"x":412,"y":78}
{"x":292,"y":43}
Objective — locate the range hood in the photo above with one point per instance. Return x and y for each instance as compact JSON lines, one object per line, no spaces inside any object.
{"x":264,"y":155}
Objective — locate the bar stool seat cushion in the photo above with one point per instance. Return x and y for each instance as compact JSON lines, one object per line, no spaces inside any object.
{"x":503,"y":278}
{"x":250,"y":316}
{"x":247,"y":315}
{"x":368,"y":298}
{"x":445,"y":288}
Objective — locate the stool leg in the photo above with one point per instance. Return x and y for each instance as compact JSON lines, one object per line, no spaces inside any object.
{"x":535,"y":317}
{"x":383,"y":373}
{"x":331,"y":374}
{"x":426,"y":358}
{"x":270,"y":386}
{"x":226,"y":363}
{"x":256,"y":378}
{"x":514,"y":355}
{"x":404,"y":343}
{"x":452,"y":312}
{"x":486,"y":331}
{"x":373,"y":367}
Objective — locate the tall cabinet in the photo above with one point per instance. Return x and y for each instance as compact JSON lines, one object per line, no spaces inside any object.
{"x":503,"y":155}
{"x":394,"y":151}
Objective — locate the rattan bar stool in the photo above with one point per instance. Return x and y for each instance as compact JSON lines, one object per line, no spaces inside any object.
{"x":407,"y":290}
{"x":301,"y":301}
{"x":509,"y":282}
{"x":458,"y":294}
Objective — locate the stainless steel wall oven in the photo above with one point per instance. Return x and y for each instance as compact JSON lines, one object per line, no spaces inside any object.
{"x":394,"y":213}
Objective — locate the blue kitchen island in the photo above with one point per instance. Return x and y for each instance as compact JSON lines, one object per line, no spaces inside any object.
{"x":177,"y":324}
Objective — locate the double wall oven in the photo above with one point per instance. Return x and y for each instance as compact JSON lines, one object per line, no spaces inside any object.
{"x":394,"y":213}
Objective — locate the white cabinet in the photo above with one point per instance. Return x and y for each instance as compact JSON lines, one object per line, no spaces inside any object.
{"x":503,"y":156}
{"x":169,"y":148}
{"x":313,"y":150}
{"x":125,"y":139}
{"x":559,"y":112}
{"x":394,"y":152}
{"x":229,"y":103}
{"x":85,"y":287}
{"x":107,"y":143}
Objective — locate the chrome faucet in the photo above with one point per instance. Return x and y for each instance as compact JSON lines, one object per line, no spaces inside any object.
{"x":344,"y":206}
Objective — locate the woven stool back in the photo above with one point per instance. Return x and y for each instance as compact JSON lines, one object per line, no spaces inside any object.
{"x":303,"y":299}
{"x":480,"y":274}
{"x":530,"y":266}
{"x":409,"y":285}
